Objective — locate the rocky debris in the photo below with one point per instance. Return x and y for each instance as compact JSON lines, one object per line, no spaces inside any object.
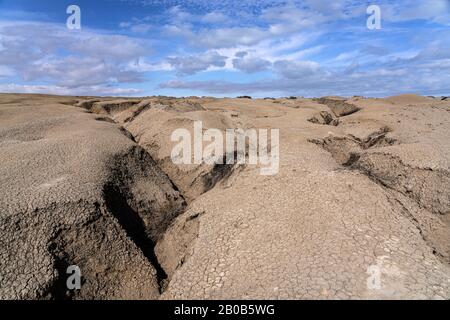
{"x":325,"y":118}
{"x":339,"y":106}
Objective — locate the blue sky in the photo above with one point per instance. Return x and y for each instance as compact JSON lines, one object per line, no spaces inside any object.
{"x":225,"y":48}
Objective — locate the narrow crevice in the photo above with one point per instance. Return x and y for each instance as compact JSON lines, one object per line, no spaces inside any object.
{"x":137,"y":112}
{"x":394,"y":199}
{"x":353,"y":158}
{"x":376,"y":139}
{"x":119,"y":201}
{"x":105,"y":119}
{"x":340,"y":107}
{"x":219,"y":173}
{"x":325,"y":118}
{"x":416,"y":222}
{"x":58,"y":288}
{"x":131,"y":222}
{"x":158,"y":242}
{"x":177,"y":245}
{"x":348,"y":152}
{"x":127,"y":134}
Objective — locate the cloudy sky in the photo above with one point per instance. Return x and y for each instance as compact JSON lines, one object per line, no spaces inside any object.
{"x":225,"y":47}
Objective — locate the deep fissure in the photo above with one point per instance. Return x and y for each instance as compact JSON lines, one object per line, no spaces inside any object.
{"x":119,"y":202}
{"x":133,"y":225}
{"x":342,"y":149}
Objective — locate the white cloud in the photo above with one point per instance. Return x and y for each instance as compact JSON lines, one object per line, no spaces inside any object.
{"x":141,"y":28}
{"x":6,"y":71}
{"x":426,"y":72}
{"x":68,"y":58}
{"x":61,"y":90}
{"x":290,"y":18}
{"x":227,"y":37}
{"x":296,"y":69}
{"x":251,"y":64}
{"x":188,"y":65}
{"x":306,"y":44}
{"x":141,"y":65}
{"x":215,"y":18}
{"x":241,"y":54}
{"x":435,"y":10}
{"x":74,"y":71}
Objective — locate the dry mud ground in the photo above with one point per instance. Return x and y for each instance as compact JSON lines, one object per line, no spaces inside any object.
{"x":363,"y":187}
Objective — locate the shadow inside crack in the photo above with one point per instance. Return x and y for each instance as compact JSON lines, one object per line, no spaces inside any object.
{"x":131,"y":222}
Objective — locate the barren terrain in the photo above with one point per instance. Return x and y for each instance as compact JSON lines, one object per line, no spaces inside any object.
{"x":89,"y":181}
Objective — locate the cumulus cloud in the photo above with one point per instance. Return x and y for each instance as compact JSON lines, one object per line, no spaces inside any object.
{"x":61,"y":90}
{"x":66,"y":58}
{"x":241,"y":54}
{"x":188,"y":65}
{"x":46,"y":38}
{"x":436,"y":10}
{"x":427,"y":72}
{"x":338,"y":9}
{"x":290,"y":18}
{"x":306,"y":47}
{"x":251,"y":64}
{"x":220,"y":37}
{"x":215,"y":17}
{"x":6,"y":71}
{"x":73,"y":72}
{"x":137,"y":27}
{"x":297,"y":69}
{"x":273,"y":22}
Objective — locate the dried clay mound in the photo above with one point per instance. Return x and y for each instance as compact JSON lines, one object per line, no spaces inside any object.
{"x":339,"y":106}
{"x":408,"y":99}
{"x":167,"y":115}
{"x":363,"y":185}
{"x":76,"y":191}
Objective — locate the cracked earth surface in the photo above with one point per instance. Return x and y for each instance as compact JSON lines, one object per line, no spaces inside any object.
{"x":90,"y":182}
